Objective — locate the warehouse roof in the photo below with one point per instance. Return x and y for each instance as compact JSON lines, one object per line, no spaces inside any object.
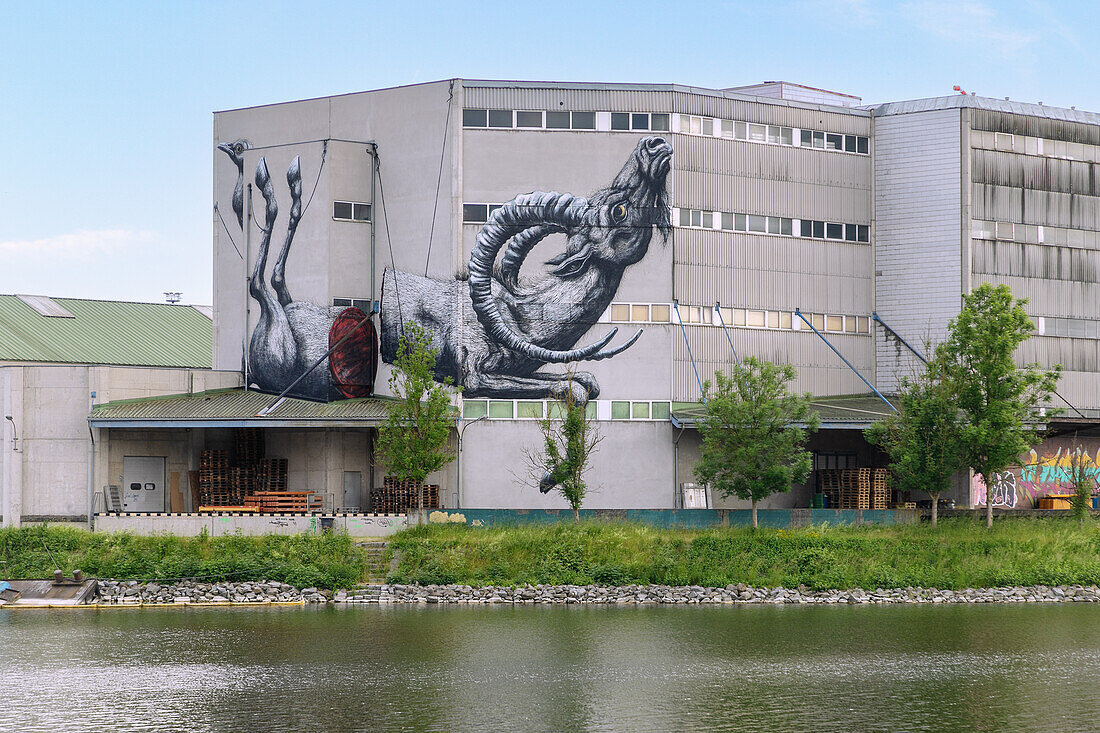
{"x":238,"y":408}
{"x":838,"y":412}
{"x":36,"y":328}
{"x":959,"y":101}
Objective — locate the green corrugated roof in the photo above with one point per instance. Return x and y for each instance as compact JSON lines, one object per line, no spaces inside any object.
{"x":846,"y":411}
{"x":106,"y":332}
{"x":237,"y":405}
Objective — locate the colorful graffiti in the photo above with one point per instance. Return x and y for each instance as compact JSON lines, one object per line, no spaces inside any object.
{"x":495,"y":330}
{"x":1038,"y":476}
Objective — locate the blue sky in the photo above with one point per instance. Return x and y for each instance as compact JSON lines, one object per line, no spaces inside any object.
{"x":106,"y":108}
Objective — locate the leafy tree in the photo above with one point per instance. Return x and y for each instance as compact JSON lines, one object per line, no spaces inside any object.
{"x":753,"y":432}
{"x":1082,"y":473}
{"x":568,"y":443}
{"x":999,"y":401}
{"x":414,"y":442}
{"x":923,"y":440}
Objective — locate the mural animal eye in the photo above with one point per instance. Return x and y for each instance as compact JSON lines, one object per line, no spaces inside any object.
{"x":238,"y":148}
{"x":618,"y":213}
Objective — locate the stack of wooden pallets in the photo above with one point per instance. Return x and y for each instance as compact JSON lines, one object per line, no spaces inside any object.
{"x":297,"y":502}
{"x":397,"y":496}
{"x":880,"y":491}
{"x":851,"y":488}
{"x":250,"y":446}
{"x":271,"y":475}
{"x":214,"y":483}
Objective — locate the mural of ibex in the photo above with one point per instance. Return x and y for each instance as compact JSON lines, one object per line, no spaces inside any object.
{"x":291,"y":335}
{"x":494,"y":332}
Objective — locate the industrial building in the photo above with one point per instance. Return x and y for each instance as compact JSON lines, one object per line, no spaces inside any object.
{"x":535,"y":227}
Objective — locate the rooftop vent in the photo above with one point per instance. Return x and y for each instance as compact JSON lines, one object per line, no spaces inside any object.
{"x":44,"y":306}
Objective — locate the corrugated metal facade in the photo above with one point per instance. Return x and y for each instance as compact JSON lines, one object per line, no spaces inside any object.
{"x":917,"y":232}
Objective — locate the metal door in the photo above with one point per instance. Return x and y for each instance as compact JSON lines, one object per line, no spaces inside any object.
{"x":143,"y":484}
{"x":353,"y":485}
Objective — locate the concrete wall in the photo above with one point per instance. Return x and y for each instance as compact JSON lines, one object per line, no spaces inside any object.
{"x":48,"y":476}
{"x":192,"y":525}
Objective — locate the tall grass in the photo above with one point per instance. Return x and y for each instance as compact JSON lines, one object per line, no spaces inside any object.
{"x":959,"y":554}
{"x":324,"y":561}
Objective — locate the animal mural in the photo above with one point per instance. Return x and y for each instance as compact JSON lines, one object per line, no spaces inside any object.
{"x":1037,"y":476}
{"x":292,"y":336}
{"x":494,"y":331}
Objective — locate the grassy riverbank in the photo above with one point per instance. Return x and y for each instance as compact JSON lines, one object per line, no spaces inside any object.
{"x":323,"y":561}
{"x":959,"y":554}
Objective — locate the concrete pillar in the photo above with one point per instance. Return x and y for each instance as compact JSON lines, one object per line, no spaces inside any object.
{"x":11,"y":493}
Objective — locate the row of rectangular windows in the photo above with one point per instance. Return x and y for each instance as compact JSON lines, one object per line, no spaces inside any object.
{"x":1027,"y":145}
{"x":350,"y":211}
{"x":660,"y":122}
{"x":1067,"y":327}
{"x":1007,"y":231}
{"x":703,"y":315}
{"x":773,"y":134}
{"x":541,"y":409}
{"x":561,"y":120}
{"x":810,"y":228}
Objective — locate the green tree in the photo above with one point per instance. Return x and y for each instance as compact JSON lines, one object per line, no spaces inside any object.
{"x":568,"y":442}
{"x":754,"y":431}
{"x":923,"y":440}
{"x":999,"y":400}
{"x":415,"y":440}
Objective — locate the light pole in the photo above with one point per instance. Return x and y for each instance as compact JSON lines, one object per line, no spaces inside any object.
{"x":461,"y":430}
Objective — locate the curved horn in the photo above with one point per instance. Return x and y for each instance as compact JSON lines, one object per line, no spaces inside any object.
{"x":532,"y":211}
{"x":518,"y":248}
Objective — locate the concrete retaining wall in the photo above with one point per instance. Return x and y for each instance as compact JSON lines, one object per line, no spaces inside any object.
{"x":688,"y":518}
{"x":191,"y":525}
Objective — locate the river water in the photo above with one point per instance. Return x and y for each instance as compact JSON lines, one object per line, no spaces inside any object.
{"x":459,"y":668}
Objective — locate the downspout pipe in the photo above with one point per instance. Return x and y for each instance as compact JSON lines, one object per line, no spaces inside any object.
{"x":372,"y":150}
{"x":798,"y":313}
{"x":91,"y":472}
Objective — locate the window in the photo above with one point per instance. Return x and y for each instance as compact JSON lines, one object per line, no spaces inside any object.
{"x":350,"y":211}
{"x":785,"y":319}
{"x":342,"y":302}
{"x":740,"y":222}
{"x":529,"y":409}
{"x":758,"y":133}
{"x":500,"y":409}
{"x":696,"y":218}
{"x":661,"y":411}
{"x":475,"y":213}
{"x":639,"y":121}
{"x":833,"y":142}
{"x":819,"y":230}
{"x":818,"y":321}
{"x":528,"y":119}
{"x":620,"y":410}
{"x":660,"y":313}
{"x":727,"y":221}
{"x":834,"y":323}
{"x":850,"y":233}
{"x":620,"y":312}
{"x":557,"y":120}
{"x":707,"y":220}
{"x":862,"y":145}
{"x":727,"y":129}
{"x":474,"y":118}
{"x":834,"y":231}
{"x":473,"y":409}
{"x":639,"y":410}
{"x":863,"y":233}
{"x":756,"y":319}
{"x":757,"y":223}
{"x":620,"y":120}
{"x":639,"y":313}
{"x":500,"y":118}
{"x":584,"y":120}
{"x":658,"y":122}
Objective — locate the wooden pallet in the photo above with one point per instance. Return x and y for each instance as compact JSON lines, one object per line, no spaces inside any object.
{"x":285,"y":501}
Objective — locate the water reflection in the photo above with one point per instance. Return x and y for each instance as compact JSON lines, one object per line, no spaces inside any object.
{"x":560,"y":668}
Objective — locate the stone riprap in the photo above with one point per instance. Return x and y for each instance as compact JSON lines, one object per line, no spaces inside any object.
{"x":123,"y":592}
{"x":134,"y":592}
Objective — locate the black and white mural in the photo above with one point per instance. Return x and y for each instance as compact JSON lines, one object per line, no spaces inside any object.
{"x":494,"y":331}
{"x":293,"y":336}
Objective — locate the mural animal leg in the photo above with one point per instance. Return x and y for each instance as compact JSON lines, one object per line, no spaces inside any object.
{"x":540,"y":385}
{"x":272,"y":350}
{"x":278,"y":272}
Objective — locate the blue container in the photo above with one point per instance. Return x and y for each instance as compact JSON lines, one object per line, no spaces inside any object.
{"x":1096,"y":501}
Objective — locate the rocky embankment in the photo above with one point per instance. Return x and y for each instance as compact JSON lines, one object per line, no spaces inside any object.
{"x":134,"y":592}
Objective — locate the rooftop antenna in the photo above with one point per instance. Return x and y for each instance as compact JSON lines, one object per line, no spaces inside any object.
{"x":172,"y":297}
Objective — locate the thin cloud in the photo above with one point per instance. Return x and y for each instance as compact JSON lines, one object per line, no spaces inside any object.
{"x":81,"y":243}
{"x":967,"y":22}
